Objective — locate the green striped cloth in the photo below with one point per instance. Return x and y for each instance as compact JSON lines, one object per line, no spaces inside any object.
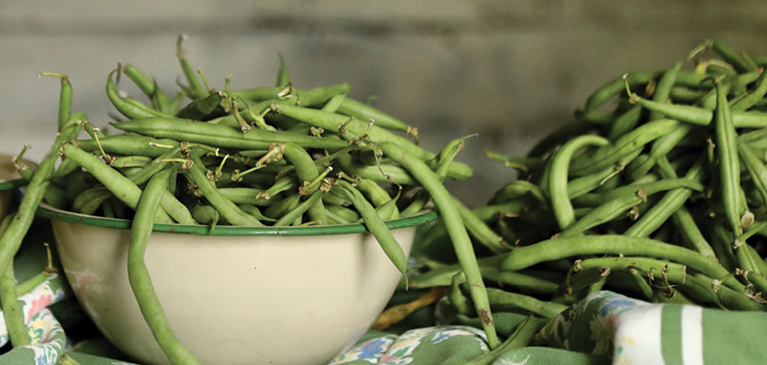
{"x":636,"y":332}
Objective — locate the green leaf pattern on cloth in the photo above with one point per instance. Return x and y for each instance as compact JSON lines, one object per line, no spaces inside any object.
{"x":435,"y":345}
{"x":590,"y":325}
{"x":51,"y":291}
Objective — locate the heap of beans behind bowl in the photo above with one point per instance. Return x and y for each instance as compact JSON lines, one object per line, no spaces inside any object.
{"x":657,"y":189}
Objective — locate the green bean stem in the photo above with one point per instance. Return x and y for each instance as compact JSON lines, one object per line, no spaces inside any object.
{"x":12,"y":313}
{"x":138,"y":274}
{"x":13,"y":236}
{"x":559,"y":248}
{"x":456,"y":229}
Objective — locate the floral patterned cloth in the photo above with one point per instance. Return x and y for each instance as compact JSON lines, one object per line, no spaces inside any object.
{"x":432,"y":345}
{"x":48,"y":339}
{"x":604,"y":328}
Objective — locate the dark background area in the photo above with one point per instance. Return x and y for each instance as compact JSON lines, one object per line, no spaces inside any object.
{"x":509,"y":71}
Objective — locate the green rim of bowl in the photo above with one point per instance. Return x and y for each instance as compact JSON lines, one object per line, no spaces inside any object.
{"x":13,"y":184}
{"x":46,"y":211}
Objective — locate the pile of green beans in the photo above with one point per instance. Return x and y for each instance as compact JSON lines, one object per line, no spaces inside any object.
{"x":269,"y":156}
{"x":657,"y":190}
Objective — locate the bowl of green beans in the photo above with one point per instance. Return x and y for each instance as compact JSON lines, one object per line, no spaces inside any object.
{"x":263,"y":225}
{"x":238,"y":295}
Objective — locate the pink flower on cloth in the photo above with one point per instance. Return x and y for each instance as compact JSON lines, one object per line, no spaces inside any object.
{"x":36,"y":305}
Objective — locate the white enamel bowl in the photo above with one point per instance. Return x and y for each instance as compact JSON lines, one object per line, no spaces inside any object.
{"x":295,"y":295}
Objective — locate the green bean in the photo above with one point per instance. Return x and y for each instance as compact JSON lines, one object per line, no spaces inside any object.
{"x":373,"y":192}
{"x":201,"y":109}
{"x":130,"y":108}
{"x":75,"y":184}
{"x":353,"y":108}
{"x":233,"y":214}
{"x":691,"y":233}
{"x":130,"y":161}
{"x":417,"y":204}
{"x":756,"y":169}
{"x":649,"y":188}
{"x":521,"y":337}
{"x":536,"y":281}
{"x":221,"y":136}
{"x":456,"y":229}
{"x":670,"y":202}
{"x":138,"y":275}
{"x":12,"y":238}
{"x":523,"y":164}
{"x":602,"y":214}
{"x":560,"y":202}
{"x":683,"y":95}
{"x":306,"y":172}
{"x":319,"y":96}
{"x":702,"y":289}
{"x":206,"y":214}
{"x":729,"y":170}
{"x":196,"y":89}
{"x":752,"y":97}
{"x":692,"y":79}
{"x":336,"y":219}
{"x":708,"y":101}
{"x":626,"y":145}
{"x":684,"y":113}
{"x":262,"y":93}
{"x":644,"y":288}
{"x":503,"y":300}
{"x":65,"y":98}
{"x":129,"y":144}
{"x":334,"y":103}
{"x":144,"y":83}
{"x":480,"y":231}
{"x":615,"y":87}
{"x":255,"y":212}
{"x":331,"y":122}
{"x":455,"y":296}
{"x":89,"y":200}
{"x":663,"y":89}
{"x":283,"y":77}
{"x":283,"y":184}
{"x":377,"y":227}
{"x":442,"y":276}
{"x":388,"y":210}
{"x":583,"y":185}
{"x":313,"y":200}
{"x":730,"y":56}
{"x":12,"y":313}
{"x":149,"y":87}
{"x":121,"y":187}
{"x":555,"y":249}
{"x":514,"y":190}
{"x":385,"y":173}
{"x":660,"y":147}
{"x":441,"y":163}
{"x":281,"y":207}
{"x":756,"y":279}
{"x":625,"y":123}
{"x":570,"y":290}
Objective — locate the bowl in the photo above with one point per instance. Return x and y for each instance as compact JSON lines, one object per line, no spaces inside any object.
{"x":237,"y":295}
{"x":10,"y":180}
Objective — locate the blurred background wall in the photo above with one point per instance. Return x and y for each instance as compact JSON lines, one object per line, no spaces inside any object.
{"x":510,"y":71}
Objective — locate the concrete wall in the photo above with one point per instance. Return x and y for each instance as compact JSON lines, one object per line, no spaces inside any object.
{"x":510,"y":71}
